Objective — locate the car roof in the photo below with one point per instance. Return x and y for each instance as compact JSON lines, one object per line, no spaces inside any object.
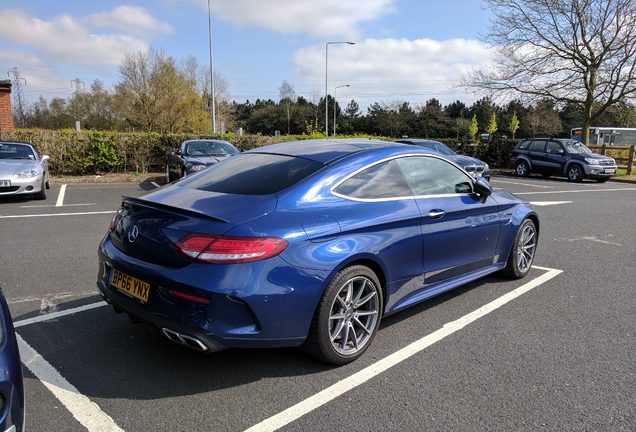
{"x":418,"y":141}
{"x":325,"y":150}
{"x":17,"y":142}
{"x":205,"y":140}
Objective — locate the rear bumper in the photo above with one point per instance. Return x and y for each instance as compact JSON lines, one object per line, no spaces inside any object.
{"x":262,"y":304}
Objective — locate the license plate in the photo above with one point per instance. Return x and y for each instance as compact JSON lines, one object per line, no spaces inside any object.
{"x":609,"y":171}
{"x":5,"y":183}
{"x":130,"y":285}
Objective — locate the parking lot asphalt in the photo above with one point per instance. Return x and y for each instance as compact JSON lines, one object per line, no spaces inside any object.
{"x":555,"y":356}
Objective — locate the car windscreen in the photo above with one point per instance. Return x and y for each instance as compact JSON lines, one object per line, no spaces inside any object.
{"x":441,"y":148}
{"x":436,"y":147}
{"x":253,"y":174}
{"x":210,"y":148}
{"x":576,"y":147}
{"x":16,"y":151}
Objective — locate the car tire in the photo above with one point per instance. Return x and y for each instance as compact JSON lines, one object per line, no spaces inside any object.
{"x":42,"y":194}
{"x":347,"y":317}
{"x":575,"y":173}
{"x":522,"y":251}
{"x":522,"y":169}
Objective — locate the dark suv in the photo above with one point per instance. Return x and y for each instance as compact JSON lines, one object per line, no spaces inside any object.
{"x":561,"y":157}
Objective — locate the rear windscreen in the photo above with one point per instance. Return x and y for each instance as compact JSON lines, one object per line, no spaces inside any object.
{"x":253,"y":174}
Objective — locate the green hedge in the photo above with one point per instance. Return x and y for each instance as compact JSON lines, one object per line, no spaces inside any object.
{"x":107,"y":151}
{"x":91,"y":152}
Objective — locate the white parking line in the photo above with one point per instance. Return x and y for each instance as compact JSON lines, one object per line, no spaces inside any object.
{"x":55,"y":214}
{"x":87,"y":413}
{"x":58,"y":314}
{"x":575,"y":191}
{"x":522,"y":184}
{"x":548,"y":203}
{"x":53,"y":205}
{"x":330,"y":393}
{"x":60,"y":196}
{"x":155,"y":184}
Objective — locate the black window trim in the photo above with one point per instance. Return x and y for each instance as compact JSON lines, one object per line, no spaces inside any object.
{"x":332,"y":190}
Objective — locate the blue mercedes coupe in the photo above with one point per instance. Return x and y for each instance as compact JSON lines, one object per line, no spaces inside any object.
{"x":308,"y":243}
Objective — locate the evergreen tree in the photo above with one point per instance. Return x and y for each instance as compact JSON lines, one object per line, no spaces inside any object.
{"x":473,"y":128}
{"x":514,"y":124}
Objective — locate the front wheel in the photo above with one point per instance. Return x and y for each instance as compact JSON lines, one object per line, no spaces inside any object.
{"x":347,"y":318}
{"x":575,"y":173}
{"x":42,"y":194}
{"x":523,"y":250}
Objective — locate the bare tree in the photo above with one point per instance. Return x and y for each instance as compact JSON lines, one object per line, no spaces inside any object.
{"x":287,"y":99}
{"x":581,"y":52}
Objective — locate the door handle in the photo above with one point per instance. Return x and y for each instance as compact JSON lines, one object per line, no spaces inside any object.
{"x":436,"y":214}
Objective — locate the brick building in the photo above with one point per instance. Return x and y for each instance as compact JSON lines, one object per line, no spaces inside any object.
{"x":6,"y":117}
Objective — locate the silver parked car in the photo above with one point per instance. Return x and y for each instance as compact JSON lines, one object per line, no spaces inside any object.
{"x":23,"y":170}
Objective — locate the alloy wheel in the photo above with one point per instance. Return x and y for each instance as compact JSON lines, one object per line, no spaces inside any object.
{"x":353,"y":315}
{"x":526,"y":248}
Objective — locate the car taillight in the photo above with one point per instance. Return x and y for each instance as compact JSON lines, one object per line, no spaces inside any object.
{"x":115,"y":220}
{"x":228,"y":250}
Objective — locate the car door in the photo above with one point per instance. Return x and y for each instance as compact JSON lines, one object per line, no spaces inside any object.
{"x":554,"y":158}
{"x":537,"y":156}
{"x":460,"y":230}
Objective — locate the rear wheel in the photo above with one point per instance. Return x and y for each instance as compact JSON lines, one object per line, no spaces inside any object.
{"x":522,"y":169}
{"x":575,"y":173}
{"x":523,"y":250}
{"x":347,"y":318}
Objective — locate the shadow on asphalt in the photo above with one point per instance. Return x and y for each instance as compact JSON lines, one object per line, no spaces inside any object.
{"x":147,"y":183}
{"x":106,"y":356}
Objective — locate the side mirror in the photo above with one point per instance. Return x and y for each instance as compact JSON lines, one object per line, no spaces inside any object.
{"x":561,"y":151}
{"x":45,"y":158}
{"x":483,"y":188}
{"x":176,"y":152}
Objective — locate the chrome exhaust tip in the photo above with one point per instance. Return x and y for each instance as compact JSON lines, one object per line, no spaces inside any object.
{"x":183,"y":339}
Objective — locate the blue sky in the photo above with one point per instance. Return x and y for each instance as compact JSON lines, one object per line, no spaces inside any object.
{"x":405,"y":49}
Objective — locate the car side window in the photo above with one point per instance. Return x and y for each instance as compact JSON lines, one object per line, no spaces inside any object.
{"x":381,"y":181}
{"x":538,"y":146}
{"x":553,"y":147}
{"x":524,"y":145}
{"x":433,"y":176}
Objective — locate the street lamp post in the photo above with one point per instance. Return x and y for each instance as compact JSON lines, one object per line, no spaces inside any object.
{"x":326,"y":81}
{"x":335,"y":89}
{"x":212,"y":112}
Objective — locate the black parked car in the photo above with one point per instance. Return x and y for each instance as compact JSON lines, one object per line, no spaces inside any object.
{"x":195,"y":155}
{"x":561,"y":157}
{"x":471,"y":165}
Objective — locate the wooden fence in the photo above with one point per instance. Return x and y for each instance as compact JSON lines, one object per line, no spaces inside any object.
{"x":624,"y":155}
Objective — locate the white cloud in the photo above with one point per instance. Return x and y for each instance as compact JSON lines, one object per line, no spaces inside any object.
{"x":129,"y":20}
{"x":324,"y":18}
{"x":394,"y":69}
{"x":66,"y":39}
{"x":40,"y":78}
